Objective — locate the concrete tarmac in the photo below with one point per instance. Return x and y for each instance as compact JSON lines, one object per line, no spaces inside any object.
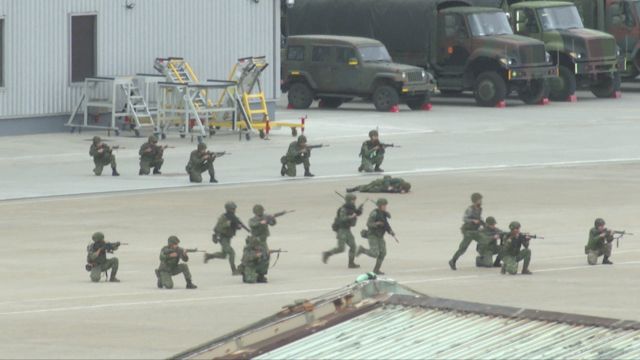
{"x":554,"y":169}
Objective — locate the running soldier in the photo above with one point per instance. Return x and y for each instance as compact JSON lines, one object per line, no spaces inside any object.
{"x":471,"y":222}
{"x":346,"y":218}
{"x":225,"y":229}
{"x":377,"y":226}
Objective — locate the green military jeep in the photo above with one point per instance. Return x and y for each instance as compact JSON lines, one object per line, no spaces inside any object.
{"x":336,"y":69}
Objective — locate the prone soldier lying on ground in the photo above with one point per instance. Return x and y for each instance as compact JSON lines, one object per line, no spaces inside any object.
{"x":387,"y":184}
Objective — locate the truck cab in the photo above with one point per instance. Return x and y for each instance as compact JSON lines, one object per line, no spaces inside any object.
{"x":584,"y":57}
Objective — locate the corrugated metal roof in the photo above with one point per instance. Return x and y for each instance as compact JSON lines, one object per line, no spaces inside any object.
{"x":412,"y":332}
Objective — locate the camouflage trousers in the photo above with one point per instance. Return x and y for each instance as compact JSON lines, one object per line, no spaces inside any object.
{"x":594,"y":254}
{"x":345,"y":237}
{"x":485,"y":254}
{"x":371,"y":188}
{"x":368,"y":164}
{"x":377,"y":247}
{"x":195,"y":172}
{"x":166,"y":274}
{"x":468,"y":237}
{"x":226,"y":251}
{"x":510,"y":262}
{"x":253,"y":271}
{"x":97,"y":270}
{"x":290,"y":164}
{"x":101,"y":161}
{"x":147,"y":164}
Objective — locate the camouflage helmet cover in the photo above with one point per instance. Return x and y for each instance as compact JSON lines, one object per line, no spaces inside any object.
{"x":230,"y":205}
{"x":258,"y":210}
{"x":173,"y":240}
{"x":406,"y":186}
{"x":96,"y":139}
{"x":476,"y":197}
{"x":97,"y":236}
{"x":514,"y":225}
{"x":373,"y":133}
{"x":599,"y":222}
{"x":153,"y":139}
{"x":202,"y":146}
{"x":349,"y":198}
{"x":302,"y":139}
{"x":381,"y":201}
{"x":491,"y":220}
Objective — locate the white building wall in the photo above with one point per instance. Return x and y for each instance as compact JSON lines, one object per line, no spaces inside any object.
{"x":210,"y":34}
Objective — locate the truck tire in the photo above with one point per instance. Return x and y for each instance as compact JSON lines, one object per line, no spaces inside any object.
{"x":563,"y":86}
{"x":606,"y":85}
{"x":534,"y":92}
{"x":331,"y":102}
{"x":385,"y":97}
{"x":300,"y":96}
{"x":490,"y":89}
{"x":415,"y":103}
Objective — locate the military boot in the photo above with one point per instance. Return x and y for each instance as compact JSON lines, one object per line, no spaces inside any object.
{"x":158,"y":276}
{"x":283,"y":170}
{"x":525,"y":271}
{"x":352,"y":264}
{"x":360,"y":168}
{"x":114,"y":172}
{"x":262,"y":279}
{"x":376,"y":269}
{"x":140,"y":172}
{"x":235,"y":271}
{"x":325,"y":256}
{"x":191,"y":285}
{"x":213,"y":180}
{"x":497,"y":262}
{"x":156,"y":171}
{"x":308,"y":173}
{"x":378,"y":169}
{"x":113,"y":278}
{"x":452,"y":264}
{"x":606,"y":261}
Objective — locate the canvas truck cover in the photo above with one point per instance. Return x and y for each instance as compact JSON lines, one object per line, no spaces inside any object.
{"x":404,"y":26}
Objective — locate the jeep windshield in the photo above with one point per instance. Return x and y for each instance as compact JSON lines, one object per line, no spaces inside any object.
{"x":374,"y":54}
{"x":489,"y":23}
{"x":560,"y":18}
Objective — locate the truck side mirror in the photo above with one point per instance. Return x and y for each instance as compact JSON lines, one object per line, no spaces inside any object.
{"x":353,"y":62}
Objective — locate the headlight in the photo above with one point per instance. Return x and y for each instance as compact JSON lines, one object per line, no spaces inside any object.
{"x":506,"y":61}
{"x":404,"y":75}
{"x":547,"y":57}
{"x":424,"y":74}
{"x":575,"y":55}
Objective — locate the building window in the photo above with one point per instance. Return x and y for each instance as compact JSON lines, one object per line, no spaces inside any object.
{"x":83,"y":47}
{"x":1,"y":52}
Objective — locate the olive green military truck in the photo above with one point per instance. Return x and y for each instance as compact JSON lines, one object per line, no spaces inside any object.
{"x":336,"y":69}
{"x":465,"y":48}
{"x":585,"y":58}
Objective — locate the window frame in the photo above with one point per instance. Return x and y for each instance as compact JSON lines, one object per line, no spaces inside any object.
{"x":302,"y":50}
{"x":70,"y":46}
{"x":327,"y":59}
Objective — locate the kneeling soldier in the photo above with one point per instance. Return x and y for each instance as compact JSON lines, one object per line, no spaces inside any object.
{"x":200,"y":161}
{"x":513,"y":252}
{"x":102,"y":155}
{"x":488,"y":244}
{"x":372,"y":153}
{"x":170,"y":265}
{"x":97,"y":261}
{"x":298,"y":153}
{"x":599,"y":244}
{"x":255,"y":261}
{"x":151,"y":157}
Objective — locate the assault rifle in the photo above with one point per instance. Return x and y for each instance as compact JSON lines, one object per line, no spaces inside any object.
{"x":111,"y":247}
{"x":533,"y":236}
{"x":278,"y":251}
{"x":309,"y":147}
{"x":387,"y":226}
{"x":217,"y":154}
{"x":359,"y":209}
{"x":620,"y":234}
{"x":194,"y":250}
{"x":278,"y":214}
{"x":384,"y":146}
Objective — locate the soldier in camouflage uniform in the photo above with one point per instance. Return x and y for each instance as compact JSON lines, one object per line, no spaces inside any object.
{"x":259,"y":225}
{"x":225,"y":229}
{"x":472,"y":220}
{"x":488,"y":244}
{"x":102,"y":155}
{"x":372,"y":153}
{"x":346,"y":218}
{"x":513,"y":251}
{"x":599,"y":244}
{"x":298,"y":153}
{"x":170,"y":265}
{"x":387,"y":184}
{"x":376,"y":228}
{"x":200,"y":161}
{"x":151,"y":157}
{"x":97,"y":261}
{"x":255,"y":261}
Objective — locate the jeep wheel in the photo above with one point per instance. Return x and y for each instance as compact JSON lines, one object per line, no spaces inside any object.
{"x":385,"y":97}
{"x":563,"y":86}
{"x":490,"y":89}
{"x":415,"y":103}
{"x":534,"y":91}
{"x":300,"y":96}
{"x":606,"y":85}
{"x":330,"y":102}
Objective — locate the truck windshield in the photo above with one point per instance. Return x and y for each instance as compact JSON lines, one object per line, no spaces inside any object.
{"x":490,"y":23}
{"x":560,"y":18}
{"x":374,"y":53}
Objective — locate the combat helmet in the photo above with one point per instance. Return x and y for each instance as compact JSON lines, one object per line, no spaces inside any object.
{"x":258,"y":210}
{"x":230,"y":205}
{"x":173,"y":240}
{"x":202,"y":146}
{"x":491,"y":220}
{"x":514,"y":225}
{"x":599,"y":222}
{"x":373,"y":133}
{"x":406,"y":186}
{"x":302,"y":139}
{"x":97,"y":236}
{"x":475,"y":197}
{"x":349,"y":198}
{"x":153,"y":139}
{"x":96,"y":139}
{"x":381,"y":202}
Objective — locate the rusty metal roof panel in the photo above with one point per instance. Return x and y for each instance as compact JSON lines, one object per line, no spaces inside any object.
{"x":413,"y":332}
